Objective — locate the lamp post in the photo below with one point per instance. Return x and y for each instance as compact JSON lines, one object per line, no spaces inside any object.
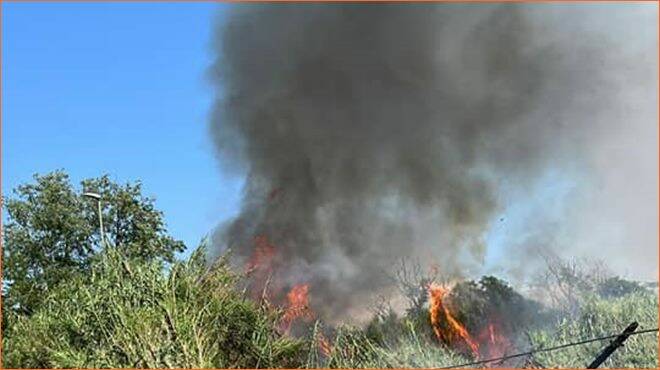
{"x":97,"y":197}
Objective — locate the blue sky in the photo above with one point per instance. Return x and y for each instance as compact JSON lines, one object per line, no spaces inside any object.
{"x":120,"y":89}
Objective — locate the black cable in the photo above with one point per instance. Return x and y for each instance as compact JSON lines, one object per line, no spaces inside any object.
{"x":504,"y":358}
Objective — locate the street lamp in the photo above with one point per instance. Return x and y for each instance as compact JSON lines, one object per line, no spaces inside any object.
{"x":97,"y":197}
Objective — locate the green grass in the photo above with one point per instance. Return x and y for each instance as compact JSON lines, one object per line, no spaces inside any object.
{"x":128,"y":314}
{"x":603,"y":317}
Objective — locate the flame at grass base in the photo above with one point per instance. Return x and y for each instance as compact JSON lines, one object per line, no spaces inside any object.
{"x":297,"y":306}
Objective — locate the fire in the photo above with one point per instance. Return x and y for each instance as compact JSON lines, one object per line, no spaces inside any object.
{"x":297,"y":305}
{"x":496,"y":344}
{"x":324,"y":345}
{"x":264,"y":283}
{"x":440,"y":313}
{"x":262,"y":257}
{"x":260,"y":267}
{"x":488,"y":343}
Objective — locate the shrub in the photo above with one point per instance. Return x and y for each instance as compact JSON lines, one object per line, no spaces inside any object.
{"x":492,"y":301}
{"x":130,"y":313}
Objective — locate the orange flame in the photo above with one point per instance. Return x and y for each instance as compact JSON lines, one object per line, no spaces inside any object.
{"x":262,"y":256}
{"x":497,"y":345}
{"x":440,"y":313}
{"x":298,"y":305}
{"x":260,"y":268}
{"x":324,"y":345}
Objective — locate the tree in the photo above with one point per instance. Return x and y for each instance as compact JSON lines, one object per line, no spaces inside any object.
{"x":52,"y":233}
{"x":131,"y":221}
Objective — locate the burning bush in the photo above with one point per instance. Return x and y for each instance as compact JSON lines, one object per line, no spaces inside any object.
{"x":491,"y":309}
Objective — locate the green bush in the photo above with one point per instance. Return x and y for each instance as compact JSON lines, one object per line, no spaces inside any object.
{"x":130,"y":313}
{"x":478,"y":303}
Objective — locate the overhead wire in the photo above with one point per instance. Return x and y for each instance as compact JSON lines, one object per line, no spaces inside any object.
{"x":549,"y":349}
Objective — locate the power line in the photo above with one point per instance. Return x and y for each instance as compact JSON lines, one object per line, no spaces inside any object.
{"x":504,"y":358}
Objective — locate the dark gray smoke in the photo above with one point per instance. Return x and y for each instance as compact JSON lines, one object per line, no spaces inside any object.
{"x":373,"y":132}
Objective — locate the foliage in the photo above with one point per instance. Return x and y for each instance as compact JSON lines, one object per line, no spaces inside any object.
{"x":130,"y":313}
{"x":52,"y":229}
{"x":48,"y":237}
{"x":69,"y":304}
{"x":615,"y":286}
{"x":384,"y":327}
{"x":131,"y":221}
{"x":403,"y":347}
{"x":602,"y":317}
{"x":477,"y":303}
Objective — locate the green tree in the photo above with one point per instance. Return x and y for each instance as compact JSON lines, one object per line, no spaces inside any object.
{"x":52,"y":233}
{"x":131,"y":221}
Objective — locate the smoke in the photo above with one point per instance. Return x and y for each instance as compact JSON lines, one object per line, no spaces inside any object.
{"x":368,"y":133}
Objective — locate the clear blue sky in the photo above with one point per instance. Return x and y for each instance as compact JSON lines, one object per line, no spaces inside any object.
{"x":120,"y":89}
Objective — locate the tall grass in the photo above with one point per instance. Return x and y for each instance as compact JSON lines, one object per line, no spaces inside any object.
{"x":129,"y":314}
{"x":404,"y":348}
{"x":126,"y":314}
{"x":602,"y":317}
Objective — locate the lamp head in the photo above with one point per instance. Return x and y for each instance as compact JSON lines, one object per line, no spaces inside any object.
{"x":92,"y":195}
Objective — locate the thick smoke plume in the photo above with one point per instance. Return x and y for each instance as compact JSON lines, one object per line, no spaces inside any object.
{"x":369,"y":133}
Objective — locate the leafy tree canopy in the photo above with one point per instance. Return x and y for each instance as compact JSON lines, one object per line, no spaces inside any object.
{"x":52,"y":233}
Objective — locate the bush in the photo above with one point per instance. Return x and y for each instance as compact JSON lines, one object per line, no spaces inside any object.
{"x":129,"y":313}
{"x":490,"y":299}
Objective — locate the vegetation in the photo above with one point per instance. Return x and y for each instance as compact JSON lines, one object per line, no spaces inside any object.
{"x":602,"y":317}
{"x":52,"y":231}
{"x":127,"y":313}
{"x":70,"y":302}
